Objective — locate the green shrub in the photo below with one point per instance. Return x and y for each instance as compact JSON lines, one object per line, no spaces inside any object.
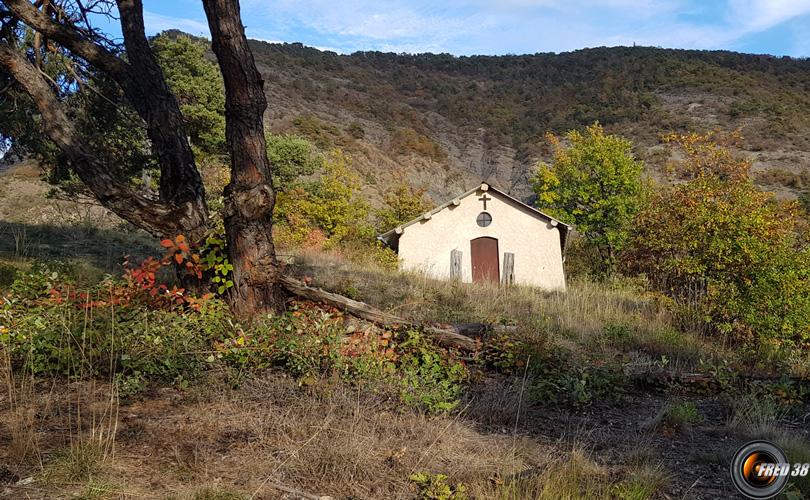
{"x":558,"y":380}
{"x":8,"y":273}
{"x":619,"y":335}
{"x":676,"y":417}
{"x":683,"y":414}
{"x":107,"y":331}
{"x":52,"y":327}
{"x":595,"y":184}
{"x":426,"y":377}
{"x":322,"y":134}
{"x":435,"y":487}
{"x":328,"y":205}
{"x":38,"y":281}
{"x":310,"y":343}
{"x":405,"y":140}
{"x":135,"y":342}
{"x":402,"y":204}
{"x":356,"y":130}
{"x":292,"y":157}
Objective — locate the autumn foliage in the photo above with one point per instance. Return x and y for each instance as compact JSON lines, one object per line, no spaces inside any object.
{"x":714,"y":238}
{"x":148,"y":283}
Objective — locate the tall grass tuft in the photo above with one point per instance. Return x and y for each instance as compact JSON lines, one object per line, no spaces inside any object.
{"x":22,"y":425}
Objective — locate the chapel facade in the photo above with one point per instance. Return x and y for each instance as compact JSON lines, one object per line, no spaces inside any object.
{"x":484,"y":235}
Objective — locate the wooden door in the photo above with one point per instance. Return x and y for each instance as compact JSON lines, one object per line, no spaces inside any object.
{"x":484,"y":255}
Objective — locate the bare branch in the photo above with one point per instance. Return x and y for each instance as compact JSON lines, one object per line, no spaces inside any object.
{"x":68,"y":37}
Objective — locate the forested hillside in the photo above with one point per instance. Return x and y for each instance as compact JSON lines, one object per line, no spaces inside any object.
{"x":194,"y":302}
{"x":445,"y":122}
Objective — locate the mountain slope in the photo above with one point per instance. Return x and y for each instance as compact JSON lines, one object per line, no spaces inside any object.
{"x":446,"y":122}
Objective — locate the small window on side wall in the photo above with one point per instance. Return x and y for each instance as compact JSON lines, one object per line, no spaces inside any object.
{"x":483,"y":219}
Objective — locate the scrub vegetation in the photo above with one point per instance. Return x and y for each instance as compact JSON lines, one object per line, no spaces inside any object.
{"x":686,"y":319}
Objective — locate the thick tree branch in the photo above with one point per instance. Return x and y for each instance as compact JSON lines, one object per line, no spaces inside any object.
{"x":150,"y":95}
{"x":68,"y":37}
{"x":159,"y":219}
{"x":143,"y":84}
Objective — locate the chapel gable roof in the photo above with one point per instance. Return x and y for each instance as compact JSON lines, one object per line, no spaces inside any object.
{"x":391,"y":237}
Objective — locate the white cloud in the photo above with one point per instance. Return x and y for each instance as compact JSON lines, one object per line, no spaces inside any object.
{"x":507,"y":26}
{"x":758,"y":15}
{"x":469,"y":26}
{"x":363,"y":24}
{"x":156,"y":23}
{"x":665,"y":24}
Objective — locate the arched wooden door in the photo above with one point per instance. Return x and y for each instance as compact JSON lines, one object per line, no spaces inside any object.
{"x":484,"y":255}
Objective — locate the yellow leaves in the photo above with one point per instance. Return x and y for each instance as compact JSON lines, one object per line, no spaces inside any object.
{"x":708,"y":155}
{"x":545,"y":184}
{"x":329,"y":205}
{"x":553,"y":140}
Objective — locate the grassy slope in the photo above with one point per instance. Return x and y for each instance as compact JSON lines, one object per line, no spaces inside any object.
{"x":214,"y":439}
{"x":271,"y":434}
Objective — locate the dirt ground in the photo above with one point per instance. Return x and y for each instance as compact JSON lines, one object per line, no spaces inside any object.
{"x":272,"y":438}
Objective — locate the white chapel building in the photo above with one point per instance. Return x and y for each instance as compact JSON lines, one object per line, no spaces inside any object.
{"x":484,"y":235}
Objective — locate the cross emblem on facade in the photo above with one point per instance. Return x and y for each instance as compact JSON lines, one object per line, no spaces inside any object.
{"x":485,"y":199}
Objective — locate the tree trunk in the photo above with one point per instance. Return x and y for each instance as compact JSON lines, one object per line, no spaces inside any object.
{"x":249,"y":198}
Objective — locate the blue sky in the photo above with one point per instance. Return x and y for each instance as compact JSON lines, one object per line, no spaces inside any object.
{"x":464,"y":27}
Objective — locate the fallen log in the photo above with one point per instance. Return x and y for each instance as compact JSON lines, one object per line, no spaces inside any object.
{"x":478,"y":329}
{"x":449,"y":336}
{"x":706,"y":380}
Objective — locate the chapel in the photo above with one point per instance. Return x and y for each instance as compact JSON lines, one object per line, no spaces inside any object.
{"x":484,"y":235}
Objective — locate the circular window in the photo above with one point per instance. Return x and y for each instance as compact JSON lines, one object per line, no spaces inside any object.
{"x":483,"y":219}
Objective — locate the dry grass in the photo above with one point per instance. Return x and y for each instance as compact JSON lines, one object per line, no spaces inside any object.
{"x":84,"y":415}
{"x":586,"y":316}
{"x":271,"y":433}
{"x":271,"y":436}
{"x":576,"y":475}
{"x":92,"y":434}
{"x":20,"y":418}
{"x":756,"y":416}
{"x":36,"y":226}
{"x":339,"y":441}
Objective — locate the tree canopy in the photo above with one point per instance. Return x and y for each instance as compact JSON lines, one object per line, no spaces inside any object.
{"x":403,"y":203}
{"x":594,"y":183}
{"x":130,"y":77}
{"x":197,"y":84}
